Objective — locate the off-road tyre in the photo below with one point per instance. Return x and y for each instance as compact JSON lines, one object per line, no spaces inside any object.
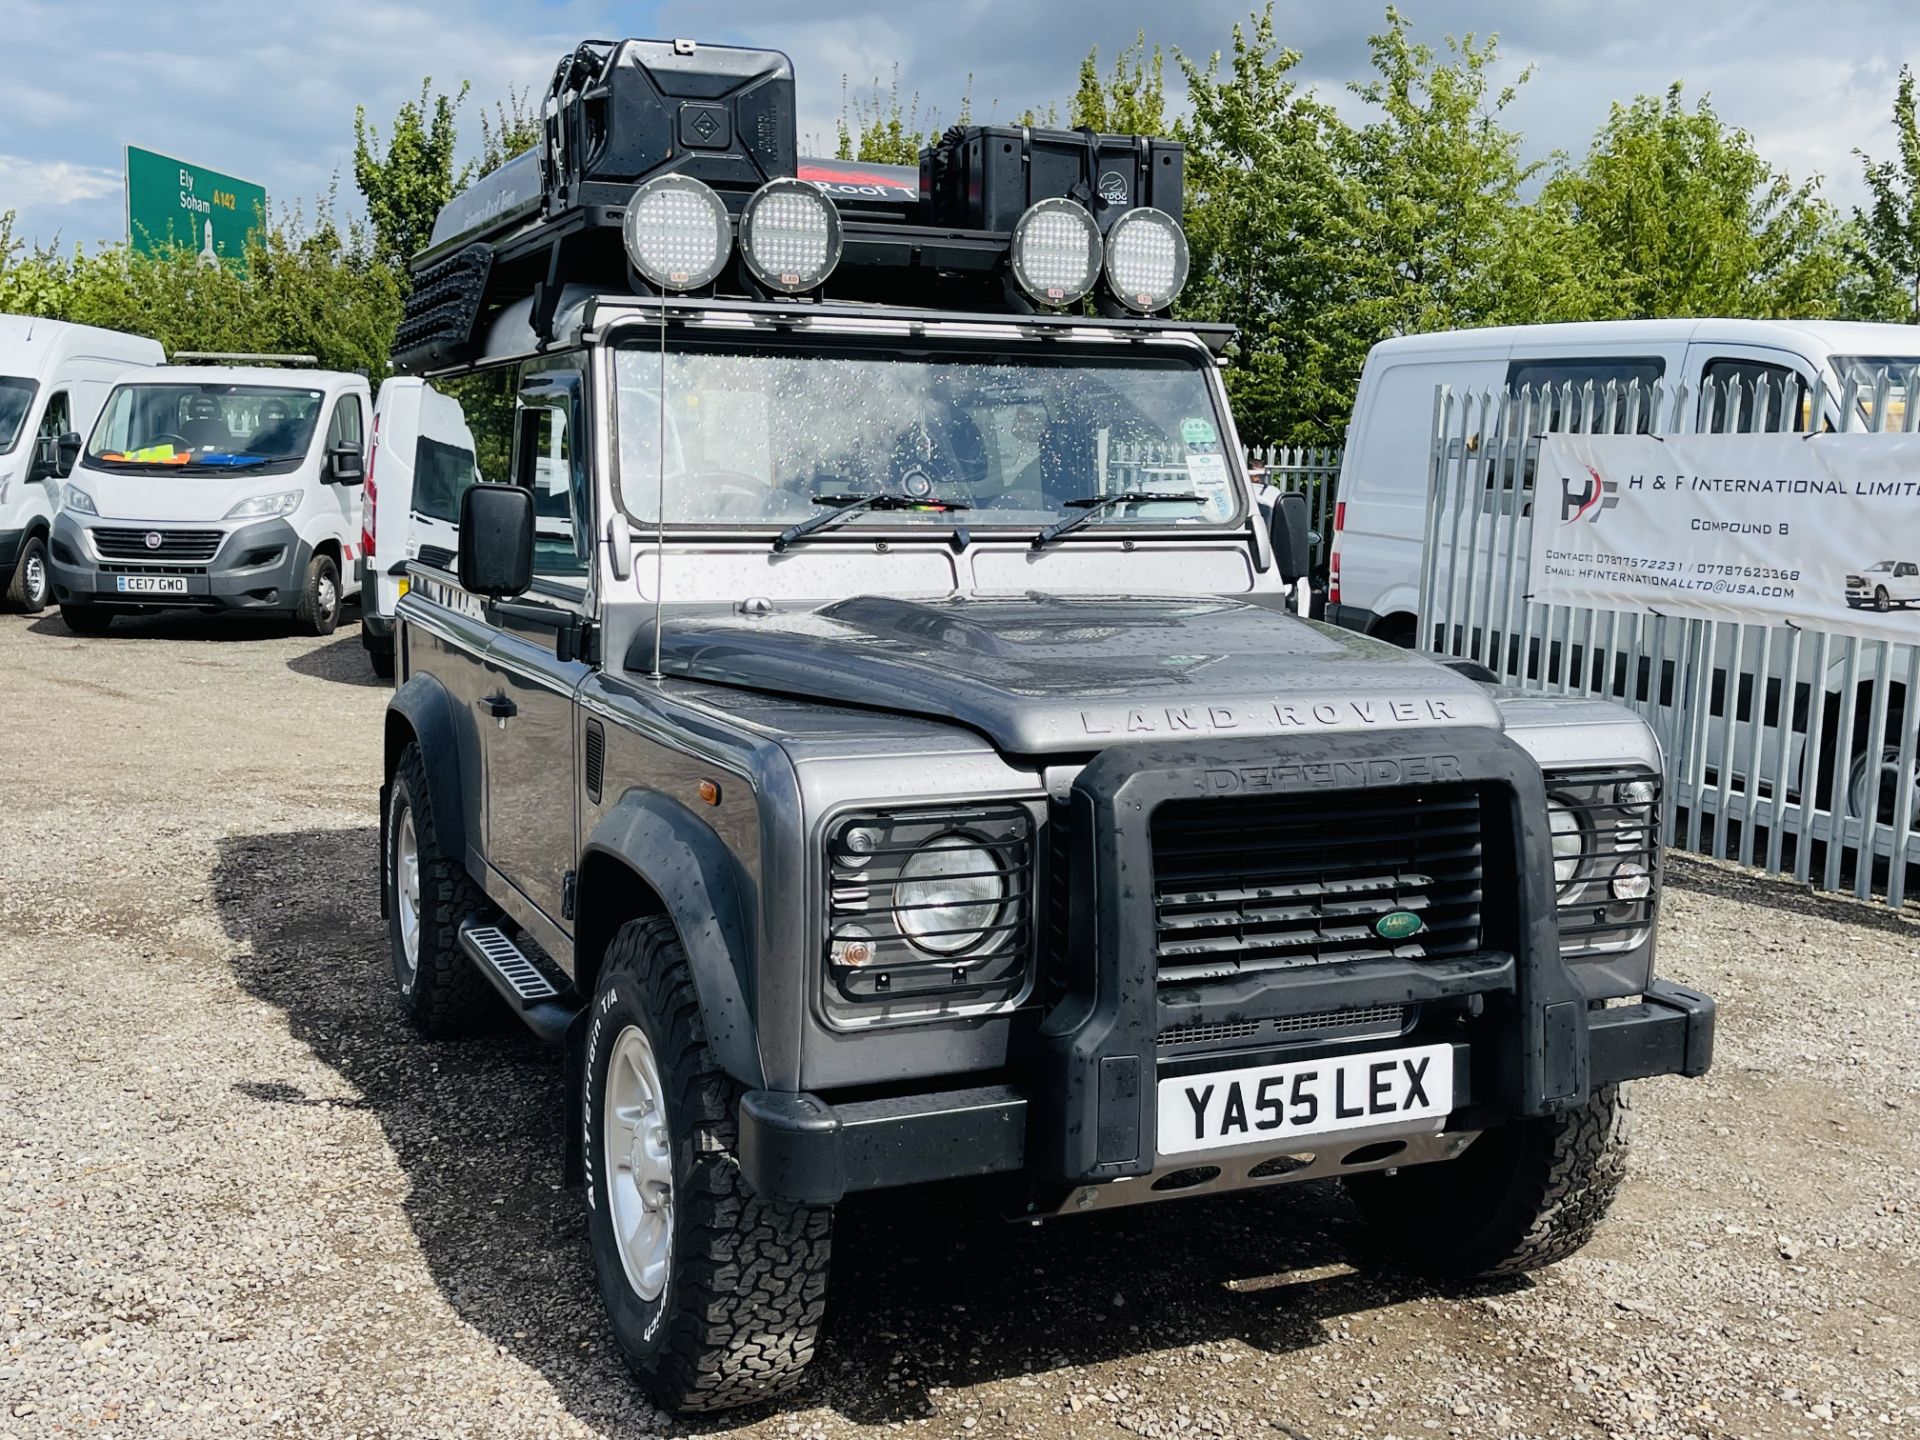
{"x":31,"y":587}
{"x":382,"y":661}
{"x":86,"y":619}
{"x":1521,"y":1197}
{"x":316,"y":615}
{"x":746,"y":1283}
{"x":444,"y":995}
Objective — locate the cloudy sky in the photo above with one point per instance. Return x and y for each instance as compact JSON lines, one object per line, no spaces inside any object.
{"x":267,"y":92}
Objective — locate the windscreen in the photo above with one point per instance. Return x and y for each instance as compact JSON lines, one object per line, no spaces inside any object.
{"x":1866,"y":372}
{"x":204,"y":428}
{"x":16,"y":398}
{"x":765,"y":436}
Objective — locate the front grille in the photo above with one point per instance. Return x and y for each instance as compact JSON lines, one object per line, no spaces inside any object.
{"x":176,"y":547}
{"x":1272,"y":883}
{"x":1320,"y":1024}
{"x":108,"y":568}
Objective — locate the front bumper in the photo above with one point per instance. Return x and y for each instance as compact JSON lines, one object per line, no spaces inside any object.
{"x":259,"y":567}
{"x":804,"y":1150}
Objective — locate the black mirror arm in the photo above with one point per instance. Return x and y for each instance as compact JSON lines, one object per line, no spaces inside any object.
{"x":573,"y":633}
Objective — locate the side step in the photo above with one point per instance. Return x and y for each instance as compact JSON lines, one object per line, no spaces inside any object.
{"x":518,"y":979}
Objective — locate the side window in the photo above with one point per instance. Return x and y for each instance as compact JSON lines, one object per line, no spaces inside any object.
{"x":1743,"y":397}
{"x":345,"y":427}
{"x":1627,"y":373}
{"x":550,"y":463}
{"x":56,"y":420}
{"x":1907,"y":569}
{"x":441,"y":475}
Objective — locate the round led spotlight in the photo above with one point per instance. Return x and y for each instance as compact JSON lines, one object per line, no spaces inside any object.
{"x":1056,"y":252}
{"x":1146,"y":259}
{"x":677,"y":233}
{"x":790,"y":235}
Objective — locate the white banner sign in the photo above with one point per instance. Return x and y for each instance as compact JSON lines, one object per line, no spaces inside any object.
{"x":1823,"y":531}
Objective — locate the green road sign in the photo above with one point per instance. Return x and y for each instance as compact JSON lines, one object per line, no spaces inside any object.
{"x":170,"y":202}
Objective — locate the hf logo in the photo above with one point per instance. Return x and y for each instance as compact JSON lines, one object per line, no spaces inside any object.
{"x":1585,"y":499}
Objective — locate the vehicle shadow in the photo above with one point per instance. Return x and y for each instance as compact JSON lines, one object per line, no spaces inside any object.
{"x":342,"y":660}
{"x":930,"y":1289}
{"x":185,"y":625}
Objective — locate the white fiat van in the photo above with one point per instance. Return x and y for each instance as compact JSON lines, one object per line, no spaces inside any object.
{"x":1374,"y":562}
{"x":421,"y":463}
{"x":53,"y":379}
{"x":213,"y":488}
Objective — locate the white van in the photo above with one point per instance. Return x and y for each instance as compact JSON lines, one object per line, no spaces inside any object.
{"x":1378,"y":548}
{"x":53,"y":379}
{"x":214,"y":488}
{"x":1374,"y":561}
{"x":421,"y":463}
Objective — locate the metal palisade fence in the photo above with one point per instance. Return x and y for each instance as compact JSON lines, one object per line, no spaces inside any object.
{"x":1789,"y":748}
{"x":1312,"y":470}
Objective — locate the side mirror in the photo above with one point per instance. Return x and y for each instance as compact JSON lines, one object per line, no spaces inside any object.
{"x":496,"y":540}
{"x":1292,"y":536}
{"x":67,"y":453}
{"x":345,"y":465}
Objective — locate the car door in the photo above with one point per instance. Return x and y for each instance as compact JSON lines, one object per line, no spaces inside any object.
{"x":346,"y":430}
{"x":528,"y":703}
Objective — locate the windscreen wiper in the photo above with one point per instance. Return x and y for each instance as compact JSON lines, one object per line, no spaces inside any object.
{"x":1091,"y":505}
{"x":845,"y":505}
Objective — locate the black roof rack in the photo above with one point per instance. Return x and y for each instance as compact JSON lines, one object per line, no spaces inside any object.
{"x":620,"y":112}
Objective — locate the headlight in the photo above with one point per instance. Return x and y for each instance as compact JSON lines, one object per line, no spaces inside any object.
{"x":1056,"y":252}
{"x":73,"y":498}
{"x":1146,"y":259}
{"x":677,"y":232}
{"x":1569,"y":844}
{"x":265,"y":507}
{"x":1605,"y":827}
{"x":928,"y":914}
{"x":948,"y":895}
{"x":790,"y":235}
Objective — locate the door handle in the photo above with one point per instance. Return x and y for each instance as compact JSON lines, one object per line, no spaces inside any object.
{"x":499,"y":706}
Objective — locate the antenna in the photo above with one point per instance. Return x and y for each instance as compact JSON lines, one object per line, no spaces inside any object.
{"x":660,"y":498}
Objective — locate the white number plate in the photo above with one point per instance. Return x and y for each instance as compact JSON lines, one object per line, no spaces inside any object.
{"x":1281,"y":1103}
{"x":151,"y":584}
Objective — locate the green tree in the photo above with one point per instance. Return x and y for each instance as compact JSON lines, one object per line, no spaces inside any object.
{"x":406,"y":182}
{"x":306,"y":288}
{"x":1132,"y":101}
{"x":1440,"y":180}
{"x":881,"y":128}
{"x":1271,"y":219}
{"x":1887,"y":232}
{"x":513,"y":129}
{"x":1681,"y":215}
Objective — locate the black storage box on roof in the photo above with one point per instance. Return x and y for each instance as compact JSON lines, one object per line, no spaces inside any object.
{"x":623,"y":111}
{"x":984,"y":177}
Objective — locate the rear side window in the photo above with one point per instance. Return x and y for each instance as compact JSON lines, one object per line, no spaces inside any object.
{"x":441,"y":475}
{"x":1555,"y":375}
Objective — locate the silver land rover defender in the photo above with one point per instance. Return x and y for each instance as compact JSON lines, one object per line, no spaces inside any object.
{"x":866,"y":724}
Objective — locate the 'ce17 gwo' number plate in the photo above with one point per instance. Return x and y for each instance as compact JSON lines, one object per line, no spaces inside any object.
{"x":1281,"y":1103}
{"x":151,"y":584}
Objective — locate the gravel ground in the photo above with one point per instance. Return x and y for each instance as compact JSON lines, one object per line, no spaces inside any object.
{"x":237,"y":1198}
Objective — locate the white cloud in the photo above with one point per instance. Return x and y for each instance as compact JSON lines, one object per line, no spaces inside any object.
{"x":48,"y":184}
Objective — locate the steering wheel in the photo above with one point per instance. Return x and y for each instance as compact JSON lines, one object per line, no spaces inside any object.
{"x":165,"y":435}
{"x":740,"y":493}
